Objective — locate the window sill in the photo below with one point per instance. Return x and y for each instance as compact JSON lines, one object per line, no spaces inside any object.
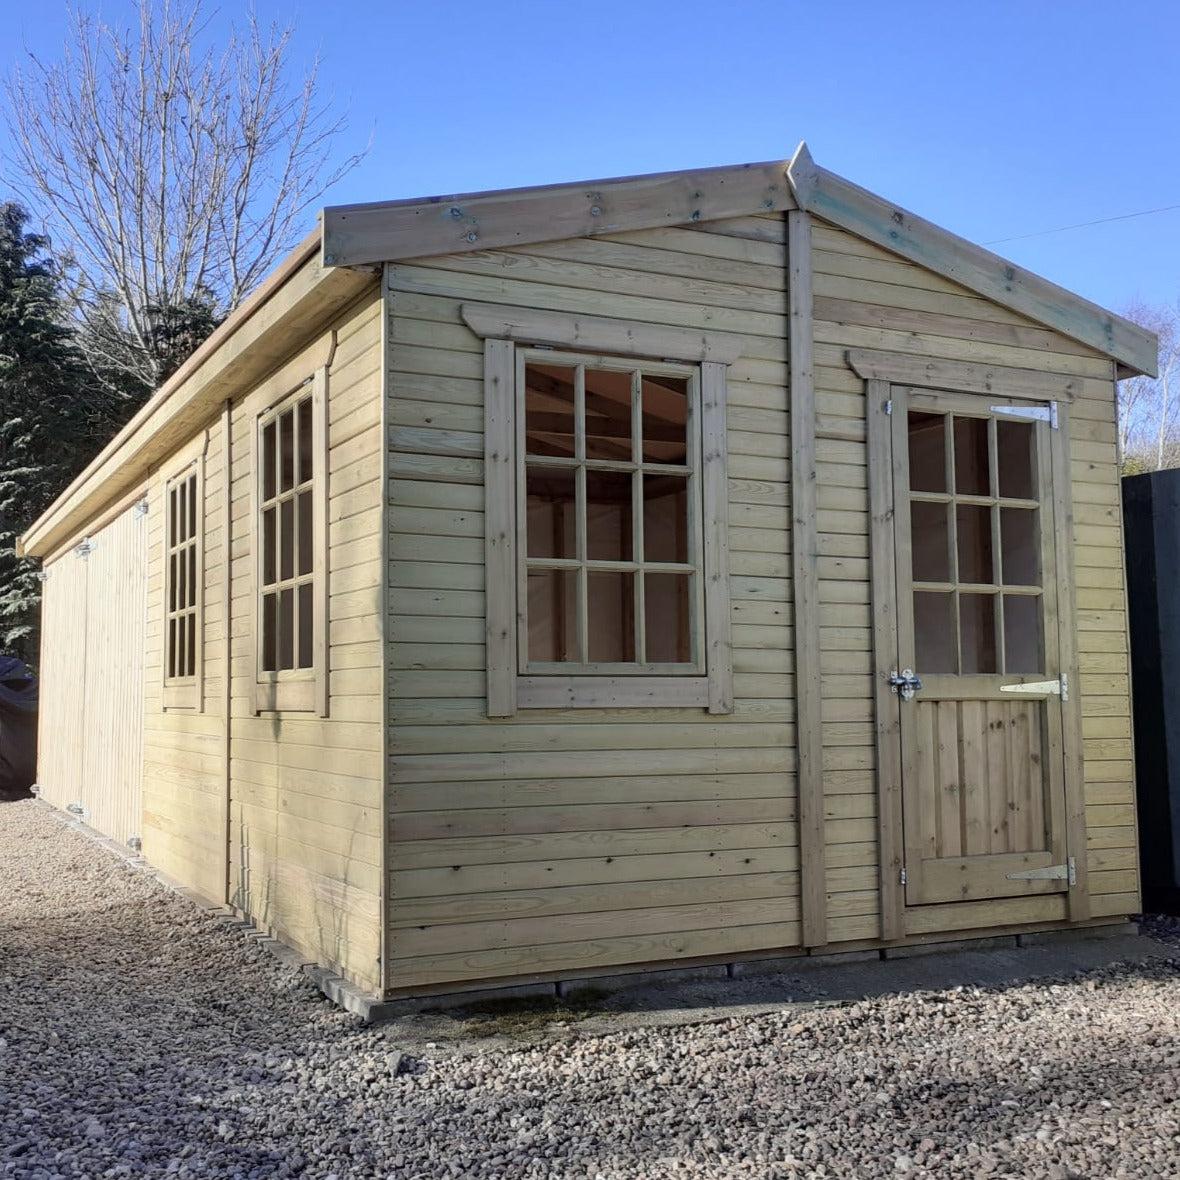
{"x":611,"y":692}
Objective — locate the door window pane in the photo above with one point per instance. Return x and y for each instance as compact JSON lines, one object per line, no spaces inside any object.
{"x":972,"y":475}
{"x":553,"y":616}
{"x":305,"y":440}
{"x":665,"y":417}
{"x":665,"y":518}
{"x":927,"y":437}
{"x":666,"y":605}
{"x":930,"y":542}
{"x":1023,"y":649}
{"x":1016,"y":458}
{"x":552,"y":523}
{"x":286,"y":451}
{"x":608,"y":515}
{"x":974,"y":524}
{"x":608,"y":414}
{"x":611,"y":616}
{"x":549,"y":410}
{"x":267,"y":459}
{"x":934,"y":633}
{"x":977,"y":633}
{"x":306,"y":629}
{"x":286,"y":629}
{"x":1020,"y":546}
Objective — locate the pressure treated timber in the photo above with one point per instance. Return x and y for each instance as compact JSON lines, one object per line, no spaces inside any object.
{"x":805,"y":579}
{"x":830,"y":197}
{"x":393,"y":230}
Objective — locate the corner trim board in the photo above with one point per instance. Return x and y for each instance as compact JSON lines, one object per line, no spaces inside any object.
{"x":804,"y":552}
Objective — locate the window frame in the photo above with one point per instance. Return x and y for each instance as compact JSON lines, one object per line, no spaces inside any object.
{"x":185,"y":692}
{"x":295,"y":690}
{"x":512,"y":334}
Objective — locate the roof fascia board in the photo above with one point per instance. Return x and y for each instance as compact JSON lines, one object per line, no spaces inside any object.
{"x":834,"y":199}
{"x":297,"y":299}
{"x":357,"y":235}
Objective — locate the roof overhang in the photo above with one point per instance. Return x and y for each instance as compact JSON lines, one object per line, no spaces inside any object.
{"x":297,"y":299}
{"x":388,"y":231}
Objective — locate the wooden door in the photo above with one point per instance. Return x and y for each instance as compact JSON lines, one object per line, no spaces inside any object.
{"x":116,"y":616}
{"x":982,"y":759}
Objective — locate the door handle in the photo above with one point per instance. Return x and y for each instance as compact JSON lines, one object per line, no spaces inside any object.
{"x":904,"y":683}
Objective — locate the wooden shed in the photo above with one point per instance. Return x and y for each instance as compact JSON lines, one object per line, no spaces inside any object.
{"x":671,"y":570}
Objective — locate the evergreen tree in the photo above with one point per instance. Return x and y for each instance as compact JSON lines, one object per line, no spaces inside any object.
{"x":53,"y":417}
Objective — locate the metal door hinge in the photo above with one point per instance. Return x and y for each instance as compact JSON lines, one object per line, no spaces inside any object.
{"x":1066,"y":872}
{"x":901,"y":876}
{"x":889,"y":407}
{"x":1035,"y":413}
{"x":1041,"y":688}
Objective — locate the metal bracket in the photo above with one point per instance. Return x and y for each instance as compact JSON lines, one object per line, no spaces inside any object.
{"x":1035,"y":413}
{"x":141,"y":507}
{"x":904,"y":683}
{"x":1038,"y":688}
{"x":1066,"y":872}
{"x":85,"y":548}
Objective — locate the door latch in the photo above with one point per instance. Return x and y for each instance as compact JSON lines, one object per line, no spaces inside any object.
{"x":904,"y":683}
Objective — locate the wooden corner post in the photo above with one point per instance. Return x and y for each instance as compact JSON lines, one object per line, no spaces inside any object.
{"x":804,"y":502}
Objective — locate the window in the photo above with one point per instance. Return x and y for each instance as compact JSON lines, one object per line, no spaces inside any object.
{"x":291,"y":551}
{"x":607,"y":516}
{"x":605,"y":525}
{"x":183,"y":585}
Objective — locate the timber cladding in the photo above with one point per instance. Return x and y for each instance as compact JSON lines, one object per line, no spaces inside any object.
{"x":560,"y":840}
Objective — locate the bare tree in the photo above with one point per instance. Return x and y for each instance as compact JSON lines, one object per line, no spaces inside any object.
{"x":171,"y":173}
{"x":1149,"y":407}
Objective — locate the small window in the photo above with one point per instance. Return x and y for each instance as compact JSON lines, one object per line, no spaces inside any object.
{"x":183,"y":576}
{"x":609,"y":517}
{"x":291,"y":552}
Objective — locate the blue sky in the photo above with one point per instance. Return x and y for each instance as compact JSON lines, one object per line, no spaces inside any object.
{"x":990,"y":117}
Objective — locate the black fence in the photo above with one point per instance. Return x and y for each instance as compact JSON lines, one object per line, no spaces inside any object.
{"x":1151,"y":513}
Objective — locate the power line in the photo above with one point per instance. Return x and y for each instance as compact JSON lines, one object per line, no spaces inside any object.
{"x":1082,"y":225}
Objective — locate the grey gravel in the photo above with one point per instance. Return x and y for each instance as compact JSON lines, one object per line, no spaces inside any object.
{"x":139,"y":1036}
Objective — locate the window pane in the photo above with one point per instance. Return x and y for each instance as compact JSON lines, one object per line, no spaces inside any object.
{"x":286,"y":450}
{"x":268,"y":547}
{"x":173,"y":562}
{"x":977,"y":632}
{"x":549,"y":410}
{"x":930,"y":542}
{"x":190,"y":495}
{"x":934,"y":633}
{"x":1016,"y":457}
{"x":267,"y":459}
{"x":1020,"y":546}
{"x":665,"y":518}
{"x":286,"y":539}
{"x":173,"y":539}
{"x":181,"y":579}
{"x":171,"y":647}
{"x":608,"y":515}
{"x":972,"y":475}
{"x":927,"y":452}
{"x":1023,"y":650}
{"x":553,"y":616}
{"x":306,"y":533}
{"x":305,"y":441}
{"x":269,"y":646}
{"x":552,"y":520}
{"x":286,"y":635}
{"x":306,"y":630}
{"x":190,"y":646}
{"x":975,"y":543}
{"x":611,"y":605}
{"x":608,"y":414}
{"x":665,"y":417}
{"x":191,"y":578}
{"x":666,"y":606}
{"x":181,"y":644}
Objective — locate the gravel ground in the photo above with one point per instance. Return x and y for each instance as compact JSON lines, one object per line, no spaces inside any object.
{"x":141,"y":1037}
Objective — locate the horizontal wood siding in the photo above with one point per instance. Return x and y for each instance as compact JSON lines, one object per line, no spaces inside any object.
{"x":305,"y":847}
{"x":184,"y":794}
{"x":563,"y":840}
{"x":867,"y":298}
